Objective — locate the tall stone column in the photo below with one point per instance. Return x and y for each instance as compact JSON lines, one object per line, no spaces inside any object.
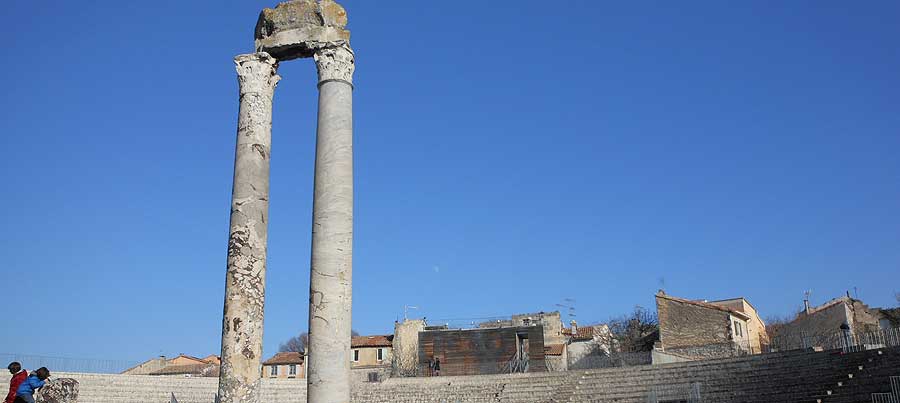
{"x":332,"y":234}
{"x":245,"y":281}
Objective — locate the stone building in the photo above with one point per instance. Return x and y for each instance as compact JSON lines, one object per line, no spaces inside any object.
{"x":184,"y":365}
{"x":756,"y":327}
{"x":820,"y":326}
{"x":550,"y":321}
{"x":285,"y":365}
{"x":697,"y":330}
{"x":406,"y":347}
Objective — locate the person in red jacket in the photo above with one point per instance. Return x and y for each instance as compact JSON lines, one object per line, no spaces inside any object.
{"x":18,"y":376}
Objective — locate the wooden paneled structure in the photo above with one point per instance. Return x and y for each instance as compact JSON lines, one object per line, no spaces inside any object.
{"x":481,"y":351}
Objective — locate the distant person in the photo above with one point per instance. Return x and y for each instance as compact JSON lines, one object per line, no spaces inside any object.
{"x":18,"y":376}
{"x":437,"y":366}
{"x":25,"y":393}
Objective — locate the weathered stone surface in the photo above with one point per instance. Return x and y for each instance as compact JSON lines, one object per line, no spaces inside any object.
{"x":331,"y":271}
{"x":242,"y":325}
{"x":61,"y":390}
{"x":296,"y":29}
{"x":335,"y":64}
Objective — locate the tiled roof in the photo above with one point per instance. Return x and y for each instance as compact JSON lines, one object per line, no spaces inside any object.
{"x":286,"y":358}
{"x":554,"y":349}
{"x":190,"y":369}
{"x":582,"y":333}
{"x":189,"y":357}
{"x":702,"y":304}
{"x":372,"y":341}
{"x":212,"y":359}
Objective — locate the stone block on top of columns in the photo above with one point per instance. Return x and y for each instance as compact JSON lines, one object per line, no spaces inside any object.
{"x":298,"y":28}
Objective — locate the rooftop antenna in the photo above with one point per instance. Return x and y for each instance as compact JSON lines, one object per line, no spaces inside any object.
{"x":568,"y":303}
{"x":406,"y":309}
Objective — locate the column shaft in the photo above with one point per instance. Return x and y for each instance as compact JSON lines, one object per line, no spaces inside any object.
{"x":245,"y":281}
{"x":332,"y":234}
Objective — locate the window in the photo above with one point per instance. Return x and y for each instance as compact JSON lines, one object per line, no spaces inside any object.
{"x":737,"y":329}
{"x":380,"y":354}
{"x":274,"y":370}
{"x":292,"y":370}
{"x":355,"y":355}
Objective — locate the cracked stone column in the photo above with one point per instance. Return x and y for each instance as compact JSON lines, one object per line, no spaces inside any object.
{"x":245,"y":281}
{"x":332,"y":233}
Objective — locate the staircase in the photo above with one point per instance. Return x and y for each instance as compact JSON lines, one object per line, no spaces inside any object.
{"x":805,"y":377}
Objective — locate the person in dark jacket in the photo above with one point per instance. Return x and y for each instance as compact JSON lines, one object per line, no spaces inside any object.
{"x":25,"y":393}
{"x":18,"y":376}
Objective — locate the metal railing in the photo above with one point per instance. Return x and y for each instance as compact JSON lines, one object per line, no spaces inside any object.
{"x":883,"y":398}
{"x":611,"y":360}
{"x":893,"y":397}
{"x":848,"y":341}
{"x":68,"y":364}
{"x":851,"y":342}
{"x":516,"y":364}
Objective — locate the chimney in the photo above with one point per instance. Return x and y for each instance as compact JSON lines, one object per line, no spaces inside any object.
{"x":806,"y":302}
{"x":574,"y":327}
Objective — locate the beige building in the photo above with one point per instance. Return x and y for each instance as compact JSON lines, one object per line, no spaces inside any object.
{"x":696,"y":329}
{"x":285,"y":365}
{"x":756,"y":328}
{"x":371,"y":351}
{"x":581,"y":343}
{"x":371,"y":358}
{"x":183,"y":365}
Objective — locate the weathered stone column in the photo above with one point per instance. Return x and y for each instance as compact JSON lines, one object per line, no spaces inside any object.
{"x":245,"y":281}
{"x":332,"y":234}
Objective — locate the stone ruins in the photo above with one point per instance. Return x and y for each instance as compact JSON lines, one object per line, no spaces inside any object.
{"x":295,"y":29}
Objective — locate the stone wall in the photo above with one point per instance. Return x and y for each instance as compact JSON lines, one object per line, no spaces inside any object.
{"x":821,"y":327}
{"x":406,"y":347}
{"x":551,"y":321}
{"x":370,"y":374}
{"x":682,"y":324}
{"x":707,"y":351}
{"x":578,"y":351}
{"x":824,"y":321}
{"x":114,"y":388}
{"x":556,"y":363}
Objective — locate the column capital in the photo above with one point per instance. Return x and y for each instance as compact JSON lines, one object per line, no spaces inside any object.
{"x":257,"y":73}
{"x":335,"y":64}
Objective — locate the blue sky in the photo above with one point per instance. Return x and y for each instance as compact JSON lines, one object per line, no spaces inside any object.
{"x":509,"y":155}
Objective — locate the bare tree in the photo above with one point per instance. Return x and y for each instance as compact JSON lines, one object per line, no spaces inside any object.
{"x":634,"y":332}
{"x":298,"y":343}
{"x":775,"y":325}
